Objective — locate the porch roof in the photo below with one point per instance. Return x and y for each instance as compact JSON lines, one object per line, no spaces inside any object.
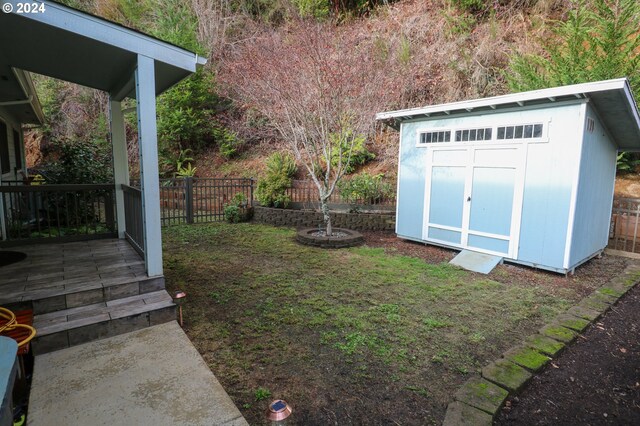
{"x":74,"y":46}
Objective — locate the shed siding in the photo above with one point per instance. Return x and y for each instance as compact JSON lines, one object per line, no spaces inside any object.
{"x":594,"y":193}
{"x":11,"y":126}
{"x":411,"y":181}
{"x":549,"y":177}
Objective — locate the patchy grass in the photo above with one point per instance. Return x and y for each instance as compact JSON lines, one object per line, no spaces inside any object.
{"x":342,"y":335}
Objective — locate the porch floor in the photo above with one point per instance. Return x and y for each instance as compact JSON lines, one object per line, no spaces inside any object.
{"x":60,"y":269}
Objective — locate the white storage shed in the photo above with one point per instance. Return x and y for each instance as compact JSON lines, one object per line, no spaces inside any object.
{"x":528,"y":176}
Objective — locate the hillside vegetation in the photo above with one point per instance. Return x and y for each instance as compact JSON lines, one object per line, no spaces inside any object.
{"x":442,"y":51}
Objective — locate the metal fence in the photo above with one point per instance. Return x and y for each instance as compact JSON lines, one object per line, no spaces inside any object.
{"x":624,"y":232}
{"x":12,"y":182}
{"x":304,"y":193}
{"x":190,"y":200}
{"x":33,"y":213}
{"x":75,"y":212}
{"x":134,"y":232}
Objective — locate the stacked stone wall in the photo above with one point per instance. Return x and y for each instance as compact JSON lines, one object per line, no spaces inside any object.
{"x":313,"y":219}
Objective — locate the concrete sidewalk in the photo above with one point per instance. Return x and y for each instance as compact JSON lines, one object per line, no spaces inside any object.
{"x":153,"y":376}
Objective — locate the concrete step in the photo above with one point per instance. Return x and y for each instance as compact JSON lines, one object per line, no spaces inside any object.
{"x":73,"y":326}
{"x":50,"y":295}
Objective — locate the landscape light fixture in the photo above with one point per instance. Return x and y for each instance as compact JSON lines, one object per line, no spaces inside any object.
{"x":178,"y":299}
{"x":278,"y":412}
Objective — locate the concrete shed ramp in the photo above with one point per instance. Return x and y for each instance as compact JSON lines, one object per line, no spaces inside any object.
{"x":476,"y":262}
{"x":153,"y":376}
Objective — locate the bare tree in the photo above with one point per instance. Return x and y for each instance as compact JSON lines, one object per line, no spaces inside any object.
{"x":320,"y":89}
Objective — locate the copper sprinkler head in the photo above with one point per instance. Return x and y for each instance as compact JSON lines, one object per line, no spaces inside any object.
{"x":178,"y":297}
{"x":278,"y":410}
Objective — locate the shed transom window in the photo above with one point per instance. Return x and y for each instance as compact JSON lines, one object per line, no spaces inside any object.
{"x":483,"y":134}
{"x":435,"y":137}
{"x":523,"y":131}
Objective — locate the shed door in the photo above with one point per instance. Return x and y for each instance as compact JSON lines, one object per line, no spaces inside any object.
{"x":474,"y":197}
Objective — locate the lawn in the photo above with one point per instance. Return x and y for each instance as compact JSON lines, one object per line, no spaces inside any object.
{"x":354,"y":336}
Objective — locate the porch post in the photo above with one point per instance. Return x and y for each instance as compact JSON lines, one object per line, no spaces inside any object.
{"x":149,"y":181}
{"x":120,"y":160}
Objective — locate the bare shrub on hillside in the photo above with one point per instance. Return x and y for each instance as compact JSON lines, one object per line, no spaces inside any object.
{"x":320,"y":89}
{"x":218,"y":25}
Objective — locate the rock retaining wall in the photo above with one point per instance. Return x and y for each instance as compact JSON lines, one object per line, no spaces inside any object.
{"x":311,"y":219}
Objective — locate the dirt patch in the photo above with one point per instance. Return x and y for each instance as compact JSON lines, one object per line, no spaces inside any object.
{"x":595,"y":381}
{"x":586,"y":279}
{"x":628,"y":186}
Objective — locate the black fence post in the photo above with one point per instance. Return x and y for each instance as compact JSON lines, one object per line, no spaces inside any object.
{"x":189,"y":198}
{"x":109,"y":211}
{"x":251,"y":181}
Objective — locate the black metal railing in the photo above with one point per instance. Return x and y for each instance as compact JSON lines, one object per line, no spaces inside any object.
{"x":32,"y":213}
{"x":12,"y":183}
{"x":190,"y":200}
{"x":304,"y":193}
{"x":134,"y":232}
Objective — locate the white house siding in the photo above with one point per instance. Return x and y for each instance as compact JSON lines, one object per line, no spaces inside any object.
{"x":12,"y":126}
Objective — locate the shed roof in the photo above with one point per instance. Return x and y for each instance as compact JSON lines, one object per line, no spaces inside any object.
{"x":74,"y":46}
{"x":612,"y":99}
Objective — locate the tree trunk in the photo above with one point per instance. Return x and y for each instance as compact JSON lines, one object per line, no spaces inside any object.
{"x":324,"y":206}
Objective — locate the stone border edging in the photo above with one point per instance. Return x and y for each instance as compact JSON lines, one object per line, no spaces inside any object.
{"x":351,"y":239}
{"x":478,"y":401}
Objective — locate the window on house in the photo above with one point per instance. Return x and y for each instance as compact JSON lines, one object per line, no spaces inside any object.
{"x":16,"y":149}
{"x":483,"y":134}
{"x":435,"y":137}
{"x":4,"y":149}
{"x":525,"y":131}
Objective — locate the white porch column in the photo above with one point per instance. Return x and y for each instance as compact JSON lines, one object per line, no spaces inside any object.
{"x":149,"y":180}
{"x":120,"y":160}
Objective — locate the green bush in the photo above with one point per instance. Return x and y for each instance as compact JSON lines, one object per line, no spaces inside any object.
{"x":228,"y":143}
{"x":359,"y":152}
{"x":594,"y":43}
{"x":318,"y":9}
{"x":232,"y":213}
{"x":237,"y":210}
{"x":627,"y":162}
{"x":366,"y":188}
{"x":271,"y":190}
{"x":185,"y":112}
{"x":598,"y":41}
{"x":473,"y":6}
{"x":78,"y":162}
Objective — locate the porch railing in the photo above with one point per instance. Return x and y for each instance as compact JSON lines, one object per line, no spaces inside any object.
{"x":57,"y":212}
{"x":624,"y":233}
{"x":134,"y":232}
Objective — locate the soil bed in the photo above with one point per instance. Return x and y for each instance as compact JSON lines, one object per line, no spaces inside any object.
{"x":595,"y":381}
{"x":587,"y":278}
{"x":384,"y":333}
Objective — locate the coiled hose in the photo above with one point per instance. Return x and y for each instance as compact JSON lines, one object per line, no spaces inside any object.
{"x":11,"y":324}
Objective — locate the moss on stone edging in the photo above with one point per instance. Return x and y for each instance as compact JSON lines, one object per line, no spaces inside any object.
{"x":507,"y":373}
